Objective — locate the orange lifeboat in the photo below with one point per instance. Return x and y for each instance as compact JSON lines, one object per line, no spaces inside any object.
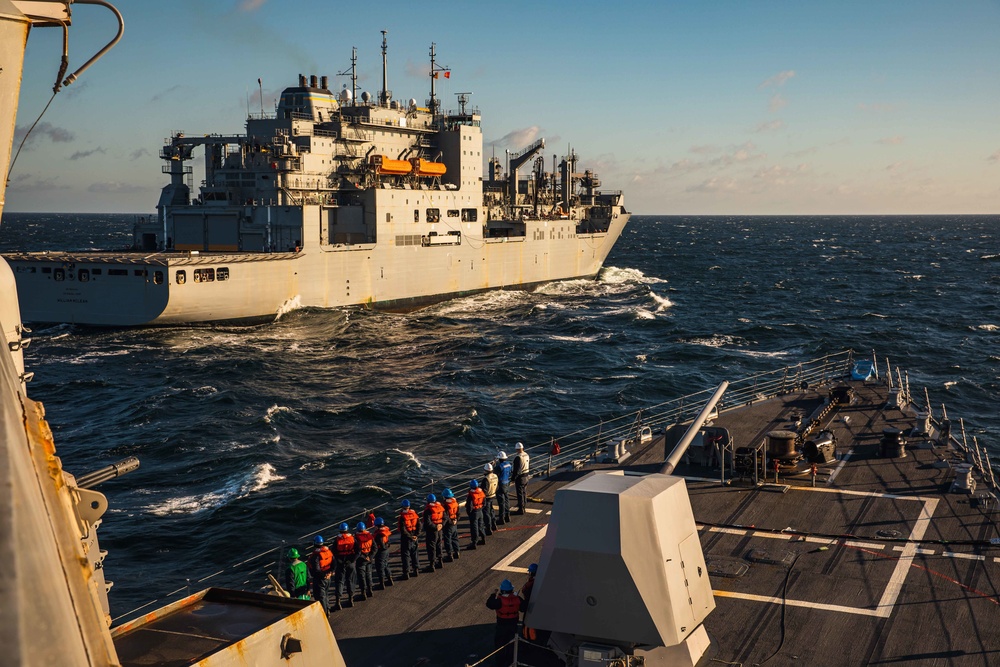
{"x":423,"y":167}
{"x":391,"y":167}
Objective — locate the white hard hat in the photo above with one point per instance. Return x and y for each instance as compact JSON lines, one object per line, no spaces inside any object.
{"x":488,"y":468}
{"x":519,"y":446}
{"x":503,"y":456}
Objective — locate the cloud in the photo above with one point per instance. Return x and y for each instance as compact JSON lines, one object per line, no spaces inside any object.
{"x":55,"y":134}
{"x":704,"y":150}
{"x":777,"y":102}
{"x":770,"y":126}
{"x":115,"y":187}
{"x":138,"y":153}
{"x":812,"y":150}
{"x":777,"y":80}
{"x":894,"y":167}
{"x":518,"y":139}
{"x":995,"y":157}
{"x":32,"y":183}
{"x":421,"y":71}
{"x":878,"y":107}
{"x":82,"y":154}
{"x":713,"y":185}
{"x":250,"y":5}
{"x":70,"y":92}
{"x":890,"y":141}
{"x":163,"y":94}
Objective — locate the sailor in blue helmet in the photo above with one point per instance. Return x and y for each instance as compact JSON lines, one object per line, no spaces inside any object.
{"x":343,"y":552}
{"x":508,"y":606}
{"x":451,"y":545}
{"x":433,"y":520}
{"x":381,"y":534}
{"x":409,"y":532}
{"x":504,"y":471}
{"x":320,"y":565}
{"x":475,"y":500}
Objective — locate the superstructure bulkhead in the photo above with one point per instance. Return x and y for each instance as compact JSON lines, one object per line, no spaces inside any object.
{"x":335,"y":200}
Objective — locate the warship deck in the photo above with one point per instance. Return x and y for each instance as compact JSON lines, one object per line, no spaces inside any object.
{"x":878,"y":563}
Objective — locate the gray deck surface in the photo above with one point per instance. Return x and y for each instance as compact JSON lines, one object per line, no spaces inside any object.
{"x":876,"y":575}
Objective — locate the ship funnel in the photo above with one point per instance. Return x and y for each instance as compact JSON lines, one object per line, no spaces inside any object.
{"x":302,"y":80}
{"x":323,"y":81}
{"x":313,"y":81}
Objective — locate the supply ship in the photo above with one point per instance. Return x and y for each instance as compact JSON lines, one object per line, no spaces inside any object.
{"x":336,"y":199}
{"x":820,"y":514}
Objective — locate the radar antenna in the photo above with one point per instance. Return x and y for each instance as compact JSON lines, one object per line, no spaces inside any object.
{"x":463,"y":99}
{"x":435,"y":70}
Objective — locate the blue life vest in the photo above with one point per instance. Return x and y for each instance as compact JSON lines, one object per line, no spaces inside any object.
{"x":504,"y":473}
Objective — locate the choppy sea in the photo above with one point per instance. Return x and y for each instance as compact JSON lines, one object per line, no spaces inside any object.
{"x":254,"y":438}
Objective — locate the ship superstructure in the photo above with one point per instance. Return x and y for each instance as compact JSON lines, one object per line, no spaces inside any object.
{"x":336,"y":199}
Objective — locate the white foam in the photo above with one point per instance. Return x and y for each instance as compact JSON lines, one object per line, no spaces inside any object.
{"x":643,"y":314}
{"x":408,"y":455}
{"x":275,"y":410}
{"x":662,"y":302}
{"x":614,"y":275}
{"x":288,"y":306}
{"x":263,"y":475}
{"x":373,"y":487}
{"x":259,"y":479}
{"x":987,"y":327}
{"x":313,"y":465}
{"x":715,"y":341}
{"x":950,"y":384}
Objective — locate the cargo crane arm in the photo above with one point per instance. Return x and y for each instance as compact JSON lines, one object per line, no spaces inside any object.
{"x":517,"y":160}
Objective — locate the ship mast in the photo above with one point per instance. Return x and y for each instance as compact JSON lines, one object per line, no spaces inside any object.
{"x":435,"y":70}
{"x":353,"y":72}
{"x":384,"y":97}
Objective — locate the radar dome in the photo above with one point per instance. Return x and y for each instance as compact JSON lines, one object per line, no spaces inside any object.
{"x":366,"y":97}
{"x":345,"y":95}
{"x":413,"y":103}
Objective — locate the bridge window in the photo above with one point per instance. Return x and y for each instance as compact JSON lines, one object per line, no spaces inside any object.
{"x":157,"y":277}
{"x":453,"y":213}
{"x":470,"y":214}
{"x":180,"y":277}
{"x":222,"y":273}
{"x":433,"y":215}
{"x":204,"y":275}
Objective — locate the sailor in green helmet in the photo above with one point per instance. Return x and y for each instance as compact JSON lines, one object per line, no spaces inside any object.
{"x":296,"y":576}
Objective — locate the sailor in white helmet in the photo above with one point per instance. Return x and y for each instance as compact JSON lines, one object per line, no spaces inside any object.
{"x":520,"y":473}
{"x":489,"y":486}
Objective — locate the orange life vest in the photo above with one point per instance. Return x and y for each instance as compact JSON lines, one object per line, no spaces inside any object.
{"x":409,"y":519}
{"x":452,"y":506}
{"x":478,"y":498}
{"x":344,"y":545}
{"x":323,"y":559}
{"x":365,"y":542}
{"x":435,"y":512}
{"x":382,"y":534}
{"x":510,"y":607}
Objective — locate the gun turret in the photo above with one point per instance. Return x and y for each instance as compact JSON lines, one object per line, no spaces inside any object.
{"x":101,"y":475}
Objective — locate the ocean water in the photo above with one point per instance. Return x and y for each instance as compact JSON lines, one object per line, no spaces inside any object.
{"x":254,"y":438}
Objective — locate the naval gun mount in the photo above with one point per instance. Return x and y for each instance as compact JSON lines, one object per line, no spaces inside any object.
{"x":622,"y":576}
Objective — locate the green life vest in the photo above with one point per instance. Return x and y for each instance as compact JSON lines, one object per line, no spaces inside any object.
{"x":300,"y":575}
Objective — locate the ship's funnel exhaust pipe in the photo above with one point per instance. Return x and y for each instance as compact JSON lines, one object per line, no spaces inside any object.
{"x":302,"y":80}
{"x":323,"y":82}
{"x":313,"y":81}
{"x":685,"y":442}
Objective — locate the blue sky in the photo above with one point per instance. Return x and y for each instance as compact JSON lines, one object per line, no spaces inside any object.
{"x":695,"y":107}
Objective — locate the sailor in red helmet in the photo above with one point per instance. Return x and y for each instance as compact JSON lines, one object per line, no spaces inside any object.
{"x":433,"y":519}
{"x":508,"y":606}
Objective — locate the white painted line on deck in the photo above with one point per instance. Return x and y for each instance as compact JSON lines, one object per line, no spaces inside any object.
{"x":505,"y":564}
{"x":859,"y":611}
{"x":840,"y":466}
{"x":922,"y":552}
{"x":902,"y":568}
{"x":952,"y":554}
{"x":863,"y":545}
{"x":532,"y":510}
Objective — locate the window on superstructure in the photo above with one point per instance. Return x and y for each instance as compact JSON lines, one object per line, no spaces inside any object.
{"x":83,"y":275}
{"x":46,"y":269}
{"x":180,"y":277}
{"x":95,"y":272}
{"x":222,"y":273}
{"x":433,"y":215}
{"x":158,"y":277}
{"x":117,"y":272}
{"x":59,"y":274}
{"x":470,"y":214}
{"x":453,"y":213}
{"x":416,"y":215}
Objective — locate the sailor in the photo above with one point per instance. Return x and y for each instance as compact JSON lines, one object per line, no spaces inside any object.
{"x":381,"y":535}
{"x":529,"y":584}
{"x":520,"y":473}
{"x":364,"y":551}
{"x":508,"y":607}
{"x":320,"y":566}
{"x":343,"y":552}
{"x":433,"y":520}
{"x":489,"y":485}
{"x":409,"y":531}
{"x":474,"y":502}
{"x":296,"y":576}
{"x":450,"y":526}
{"x":503,"y":469}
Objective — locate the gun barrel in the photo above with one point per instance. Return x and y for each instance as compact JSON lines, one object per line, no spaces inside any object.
{"x":92,"y":479}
